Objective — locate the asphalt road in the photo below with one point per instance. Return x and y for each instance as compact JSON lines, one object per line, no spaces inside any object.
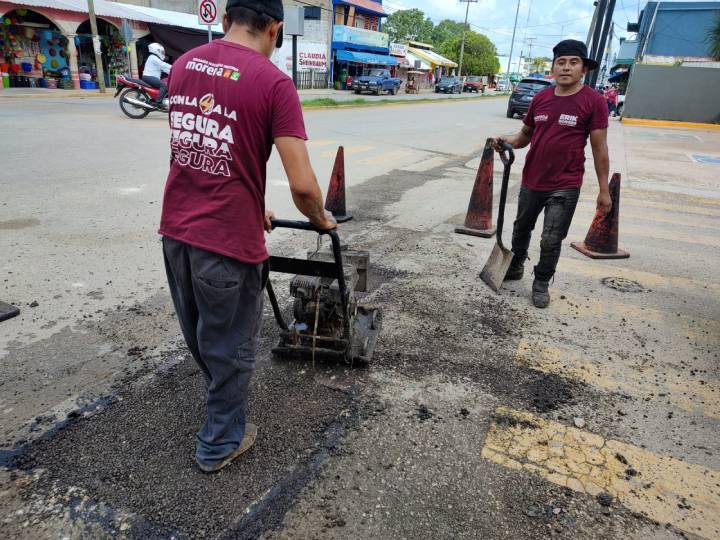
{"x":480,"y":417}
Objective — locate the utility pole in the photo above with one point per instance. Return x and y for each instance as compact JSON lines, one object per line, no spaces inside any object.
{"x":512,"y":43}
{"x":592,"y":25}
{"x":530,"y":39}
{"x":96,"y":46}
{"x":600,"y":48}
{"x":462,"y":45}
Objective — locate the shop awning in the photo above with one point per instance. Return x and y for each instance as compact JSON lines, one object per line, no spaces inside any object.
{"x":366,"y":5}
{"x":432,"y":57}
{"x":411,"y":58}
{"x":366,"y":58}
{"x":105,"y":8}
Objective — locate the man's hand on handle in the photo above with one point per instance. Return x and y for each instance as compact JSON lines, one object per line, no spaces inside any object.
{"x":269,"y":215}
{"x":326,"y":222}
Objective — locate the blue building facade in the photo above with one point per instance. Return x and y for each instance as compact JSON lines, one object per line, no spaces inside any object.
{"x":357,"y":41}
{"x":677,"y":30}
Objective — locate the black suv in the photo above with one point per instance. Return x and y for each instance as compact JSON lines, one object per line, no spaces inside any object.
{"x":523,"y":94}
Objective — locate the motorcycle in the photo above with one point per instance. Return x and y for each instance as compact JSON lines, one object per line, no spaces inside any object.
{"x":137,"y":98}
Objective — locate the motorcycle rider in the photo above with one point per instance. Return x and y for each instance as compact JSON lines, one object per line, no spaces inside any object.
{"x":155,"y":66}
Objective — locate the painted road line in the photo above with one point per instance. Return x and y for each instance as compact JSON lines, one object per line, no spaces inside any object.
{"x":322,"y":142}
{"x":687,"y":328}
{"x":614,"y":375}
{"x":677,"y":208}
{"x":680,"y":200}
{"x":664,"y":489}
{"x":668,"y":123}
{"x":653,"y":216}
{"x":385,"y":157}
{"x":426,"y":164}
{"x":597,"y":270}
{"x":349,"y":150}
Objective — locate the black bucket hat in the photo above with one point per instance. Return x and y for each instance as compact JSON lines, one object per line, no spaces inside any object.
{"x":572,"y":47}
{"x":271,"y":8}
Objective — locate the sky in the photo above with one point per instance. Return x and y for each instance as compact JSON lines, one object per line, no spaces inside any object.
{"x":540,"y":22}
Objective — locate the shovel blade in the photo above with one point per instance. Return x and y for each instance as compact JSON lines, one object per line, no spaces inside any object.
{"x":496,"y":267}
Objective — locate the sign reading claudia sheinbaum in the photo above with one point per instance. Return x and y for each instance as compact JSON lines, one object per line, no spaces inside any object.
{"x":207,"y":12}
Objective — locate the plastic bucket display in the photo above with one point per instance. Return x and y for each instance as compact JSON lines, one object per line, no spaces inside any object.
{"x":88,"y":85}
{"x":5,"y":80}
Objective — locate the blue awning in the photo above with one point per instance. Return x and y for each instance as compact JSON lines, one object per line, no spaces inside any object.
{"x":366,"y":58}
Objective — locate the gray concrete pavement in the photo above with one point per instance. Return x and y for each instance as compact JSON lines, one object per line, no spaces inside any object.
{"x":481,"y":416}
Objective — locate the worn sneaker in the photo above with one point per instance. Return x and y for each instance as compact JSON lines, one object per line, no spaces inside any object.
{"x":540,"y":293}
{"x":514,"y":272}
{"x":248,"y":440}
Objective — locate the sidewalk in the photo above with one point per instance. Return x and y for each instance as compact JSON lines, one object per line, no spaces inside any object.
{"x":305,"y":95}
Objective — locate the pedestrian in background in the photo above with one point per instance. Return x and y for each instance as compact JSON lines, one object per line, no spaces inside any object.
{"x":557,"y":126}
{"x":611,"y":97}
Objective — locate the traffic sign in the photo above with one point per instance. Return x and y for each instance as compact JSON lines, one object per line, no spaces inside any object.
{"x":207,"y":12}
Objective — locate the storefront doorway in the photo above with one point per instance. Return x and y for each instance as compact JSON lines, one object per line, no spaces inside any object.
{"x":114,"y":53}
{"x":33,"y":51}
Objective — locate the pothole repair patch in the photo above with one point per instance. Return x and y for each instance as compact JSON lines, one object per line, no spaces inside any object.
{"x":623,"y":284}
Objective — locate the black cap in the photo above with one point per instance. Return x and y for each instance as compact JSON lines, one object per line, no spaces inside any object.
{"x":572,"y":47}
{"x":271,"y":8}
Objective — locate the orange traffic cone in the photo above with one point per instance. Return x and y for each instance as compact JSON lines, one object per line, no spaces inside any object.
{"x":335,"y":199}
{"x":478,"y":221}
{"x":601,"y":241}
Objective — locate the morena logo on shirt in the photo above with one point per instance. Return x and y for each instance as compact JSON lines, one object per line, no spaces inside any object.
{"x":201,"y":65}
{"x":541,"y":117}
{"x":567,"y":120}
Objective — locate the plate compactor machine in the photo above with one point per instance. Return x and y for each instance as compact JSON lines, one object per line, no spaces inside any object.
{"x":328,"y":321}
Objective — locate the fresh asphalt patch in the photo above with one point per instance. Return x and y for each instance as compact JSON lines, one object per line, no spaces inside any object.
{"x":329,"y":438}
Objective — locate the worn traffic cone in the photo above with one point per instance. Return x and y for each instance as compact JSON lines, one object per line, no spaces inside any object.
{"x":335,"y":199}
{"x":478,"y":221}
{"x":601,"y":241}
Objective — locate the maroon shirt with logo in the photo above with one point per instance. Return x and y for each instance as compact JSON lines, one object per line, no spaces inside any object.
{"x":562,"y":124}
{"x":227,"y":104}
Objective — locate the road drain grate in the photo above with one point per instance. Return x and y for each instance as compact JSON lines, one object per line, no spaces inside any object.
{"x":623,"y":284}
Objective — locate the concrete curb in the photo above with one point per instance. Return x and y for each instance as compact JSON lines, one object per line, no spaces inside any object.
{"x":399,"y":102}
{"x":668,"y":123}
{"x":59,"y":94}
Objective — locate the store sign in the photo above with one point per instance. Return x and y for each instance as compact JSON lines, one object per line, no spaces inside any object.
{"x":398,"y":49}
{"x":311,"y":56}
{"x":360,"y":36}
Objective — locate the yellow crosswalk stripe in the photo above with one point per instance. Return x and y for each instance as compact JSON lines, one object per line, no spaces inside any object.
{"x":665,"y":489}
{"x":322,"y":142}
{"x":655,"y":216}
{"x":669,"y":207}
{"x":385,"y":157}
{"x":349,"y":150}
{"x":613,"y":375}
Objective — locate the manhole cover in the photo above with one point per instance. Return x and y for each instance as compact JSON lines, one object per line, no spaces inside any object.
{"x":622,"y":284}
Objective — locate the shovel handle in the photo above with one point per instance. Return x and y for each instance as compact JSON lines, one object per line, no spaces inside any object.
{"x":506,"y":147}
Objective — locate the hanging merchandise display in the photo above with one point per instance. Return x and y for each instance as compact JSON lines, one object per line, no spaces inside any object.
{"x":31,"y":55}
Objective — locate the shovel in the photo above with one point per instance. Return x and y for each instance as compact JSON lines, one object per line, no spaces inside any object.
{"x":499,"y":261}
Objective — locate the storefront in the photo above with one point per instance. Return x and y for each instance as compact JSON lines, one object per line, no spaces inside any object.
{"x":34,"y":51}
{"x":113,"y":54}
{"x":439,"y":65}
{"x":356,"y":50}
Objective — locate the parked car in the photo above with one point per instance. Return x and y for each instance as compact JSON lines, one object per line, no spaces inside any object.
{"x":523,"y":94}
{"x":376,"y":81}
{"x":503,"y":86}
{"x":448,"y":85}
{"x":474,"y":84}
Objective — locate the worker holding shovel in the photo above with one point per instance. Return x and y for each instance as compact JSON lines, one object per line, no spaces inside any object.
{"x":557,"y":126}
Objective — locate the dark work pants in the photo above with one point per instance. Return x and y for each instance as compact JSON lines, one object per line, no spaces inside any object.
{"x":559,"y":208}
{"x":219,"y":302}
{"x":157,"y":83}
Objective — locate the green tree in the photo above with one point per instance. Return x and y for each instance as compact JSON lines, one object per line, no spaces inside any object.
{"x":480,"y":57}
{"x":446,"y":30}
{"x":409,"y":24}
{"x":713,"y":39}
{"x":537,"y":64}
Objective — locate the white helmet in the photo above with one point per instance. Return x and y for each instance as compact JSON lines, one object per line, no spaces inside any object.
{"x":158,"y":50}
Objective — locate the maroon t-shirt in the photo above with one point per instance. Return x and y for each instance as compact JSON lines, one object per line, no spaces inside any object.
{"x":562,"y":124}
{"x":227,"y":104}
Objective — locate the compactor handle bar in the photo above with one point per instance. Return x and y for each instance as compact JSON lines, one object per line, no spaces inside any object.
{"x":506,"y":147}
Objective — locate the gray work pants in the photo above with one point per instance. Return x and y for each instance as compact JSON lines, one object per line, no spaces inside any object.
{"x":219,"y":302}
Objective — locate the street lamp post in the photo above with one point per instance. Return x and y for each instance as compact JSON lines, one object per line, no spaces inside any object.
{"x":462,"y":44}
{"x":512,"y":43}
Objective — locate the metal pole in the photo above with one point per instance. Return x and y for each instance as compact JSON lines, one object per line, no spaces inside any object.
{"x":512,"y":43}
{"x":592,"y":26}
{"x":462,"y":44}
{"x":603,"y":40}
{"x":96,"y":47}
{"x":596,"y":35}
{"x":294,"y":60}
{"x":209,"y":33}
